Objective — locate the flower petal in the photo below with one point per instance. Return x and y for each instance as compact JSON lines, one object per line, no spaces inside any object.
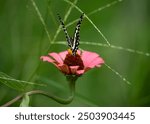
{"x":56,"y":57}
{"x":96,"y":62}
{"x":63,"y":54}
{"x":80,"y":72}
{"x":79,"y":52}
{"x":64,"y":68}
{"x":73,"y":69}
{"x":47,"y":58}
{"x":88,"y":57}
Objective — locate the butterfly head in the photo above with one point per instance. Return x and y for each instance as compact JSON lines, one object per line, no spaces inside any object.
{"x":70,"y":51}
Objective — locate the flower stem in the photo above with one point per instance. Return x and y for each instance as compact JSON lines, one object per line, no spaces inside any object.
{"x":55,"y":98}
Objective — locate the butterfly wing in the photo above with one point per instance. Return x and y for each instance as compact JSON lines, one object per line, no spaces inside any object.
{"x":76,"y":37}
{"x":65,"y":31}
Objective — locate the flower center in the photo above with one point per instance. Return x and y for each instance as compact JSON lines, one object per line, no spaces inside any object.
{"x":76,"y":60}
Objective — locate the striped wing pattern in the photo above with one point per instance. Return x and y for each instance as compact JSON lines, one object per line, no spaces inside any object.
{"x":76,"y":37}
{"x":73,"y":42}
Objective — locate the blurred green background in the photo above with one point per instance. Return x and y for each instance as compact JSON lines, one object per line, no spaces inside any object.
{"x":23,"y":40}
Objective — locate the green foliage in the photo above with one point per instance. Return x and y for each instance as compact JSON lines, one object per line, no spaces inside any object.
{"x":118,"y":30}
{"x":16,"y":84}
{"x":25,"y":101}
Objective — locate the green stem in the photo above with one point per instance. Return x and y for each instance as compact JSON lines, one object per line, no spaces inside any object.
{"x":56,"y":98}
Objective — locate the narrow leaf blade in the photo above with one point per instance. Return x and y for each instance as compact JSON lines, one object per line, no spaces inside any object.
{"x":19,"y":85}
{"x":25,"y":101}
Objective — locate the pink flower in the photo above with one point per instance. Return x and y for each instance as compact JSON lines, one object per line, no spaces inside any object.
{"x":74,"y":65}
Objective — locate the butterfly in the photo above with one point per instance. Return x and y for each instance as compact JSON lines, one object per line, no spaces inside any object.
{"x":73,"y":42}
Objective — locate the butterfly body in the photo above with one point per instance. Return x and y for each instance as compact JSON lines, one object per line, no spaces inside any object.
{"x":73,"y":42}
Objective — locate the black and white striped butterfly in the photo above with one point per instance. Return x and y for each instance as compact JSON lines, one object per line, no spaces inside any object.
{"x":73,"y":42}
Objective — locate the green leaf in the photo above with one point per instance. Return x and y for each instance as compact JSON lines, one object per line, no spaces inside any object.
{"x":16,"y":84}
{"x":25,"y":101}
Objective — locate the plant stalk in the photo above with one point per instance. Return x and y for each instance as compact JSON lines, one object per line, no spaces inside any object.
{"x":51,"y":96}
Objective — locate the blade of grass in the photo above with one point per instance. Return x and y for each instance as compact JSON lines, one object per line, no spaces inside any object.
{"x":51,"y":13}
{"x":25,"y":101}
{"x":117,"y":73}
{"x":99,"y":31}
{"x":117,"y":47}
{"x":96,"y":10}
{"x":105,"y":6}
{"x":111,"y":46}
{"x":16,"y":84}
{"x":41,"y":19}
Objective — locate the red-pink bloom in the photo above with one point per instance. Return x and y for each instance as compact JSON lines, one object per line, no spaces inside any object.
{"x":74,"y":65}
